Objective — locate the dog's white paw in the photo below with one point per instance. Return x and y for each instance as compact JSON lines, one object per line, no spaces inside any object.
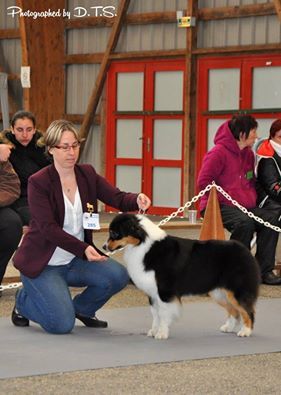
{"x":244,"y":332}
{"x":162,"y":333}
{"x":151,"y":333}
{"x":231,"y":325}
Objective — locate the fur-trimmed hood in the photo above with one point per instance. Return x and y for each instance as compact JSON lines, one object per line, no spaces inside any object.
{"x":7,"y":137}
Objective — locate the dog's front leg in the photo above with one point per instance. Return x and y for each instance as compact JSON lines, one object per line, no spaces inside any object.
{"x":167,"y":312}
{"x":155,"y":318}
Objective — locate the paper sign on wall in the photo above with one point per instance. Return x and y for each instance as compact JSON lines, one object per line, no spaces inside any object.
{"x":25,"y":76}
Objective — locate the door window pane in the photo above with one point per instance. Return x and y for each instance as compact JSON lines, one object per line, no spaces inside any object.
{"x":168,"y":91}
{"x":267,"y":87}
{"x":129,"y":138}
{"x":166,"y":186}
{"x":128,"y":178}
{"x":224,"y":89}
{"x":130,"y":92}
{"x":167,"y":142}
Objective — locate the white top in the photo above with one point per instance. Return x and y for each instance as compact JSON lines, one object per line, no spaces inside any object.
{"x":73,"y":224}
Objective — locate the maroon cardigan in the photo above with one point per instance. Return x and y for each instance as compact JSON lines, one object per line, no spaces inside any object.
{"x":47,"y":215}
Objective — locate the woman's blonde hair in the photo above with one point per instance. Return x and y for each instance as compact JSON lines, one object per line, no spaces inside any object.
{"x":54,"y":132}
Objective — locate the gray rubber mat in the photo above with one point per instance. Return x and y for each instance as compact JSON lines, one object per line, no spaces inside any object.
{"x":31,"y":351}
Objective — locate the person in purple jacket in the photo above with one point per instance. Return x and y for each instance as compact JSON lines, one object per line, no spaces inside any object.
{"x":58,"y":250}
{"x":230,"y":163}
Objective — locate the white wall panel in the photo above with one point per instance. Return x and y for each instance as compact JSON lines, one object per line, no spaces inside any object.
{"x":138,"y":6}
{"x":7,"y":21}
{"x":82,"y":41}
{"x":92,"y":150}
{"x":80,"y":82}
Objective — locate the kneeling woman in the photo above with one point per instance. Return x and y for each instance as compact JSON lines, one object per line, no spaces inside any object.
{"x":57,"y":252}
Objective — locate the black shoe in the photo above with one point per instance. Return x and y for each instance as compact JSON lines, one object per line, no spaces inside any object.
{"x":270,"y":278}
{"x":91,"y":322}
{"x":19,"y":320}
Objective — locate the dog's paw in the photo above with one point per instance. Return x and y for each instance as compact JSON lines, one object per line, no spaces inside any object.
{"x":151,"y":333}
{"x":231,"y":325}
{"x":244,"y":332}
{"x":162,"y":333}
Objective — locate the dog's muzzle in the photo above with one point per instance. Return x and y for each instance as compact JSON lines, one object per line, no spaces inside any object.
{"x":109,"y":249}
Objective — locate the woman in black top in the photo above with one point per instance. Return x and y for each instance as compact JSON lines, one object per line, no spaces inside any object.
{"x":27,"y":156}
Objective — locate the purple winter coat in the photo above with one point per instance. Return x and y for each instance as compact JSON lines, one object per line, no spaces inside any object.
{"x":47,"y":215}
{"x":229,"y":167}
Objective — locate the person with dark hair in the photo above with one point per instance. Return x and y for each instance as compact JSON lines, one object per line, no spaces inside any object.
{"x":231,"y":164}
{"x":10,"y":223}
{"x":27,"y":156}
{"x":269,"y":169}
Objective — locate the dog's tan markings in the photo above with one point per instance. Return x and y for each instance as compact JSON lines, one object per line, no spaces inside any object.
{"x":227,"y":305}
{"x":132,"y":240}
{"x":115,"y":244}
{"x":248,"y":323}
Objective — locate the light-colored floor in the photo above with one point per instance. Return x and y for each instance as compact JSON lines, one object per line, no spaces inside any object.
{"x":247,"y":375}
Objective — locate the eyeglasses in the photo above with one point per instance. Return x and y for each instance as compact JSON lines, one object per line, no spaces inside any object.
{"x":68,"y":147}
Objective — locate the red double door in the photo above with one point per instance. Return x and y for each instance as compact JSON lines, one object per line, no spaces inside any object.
{"x":144,"y":137}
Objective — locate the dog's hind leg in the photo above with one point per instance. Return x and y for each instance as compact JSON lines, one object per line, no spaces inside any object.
{"x":167,"y":312}
{"x":233,"y":322}
{"x":247,"y":314}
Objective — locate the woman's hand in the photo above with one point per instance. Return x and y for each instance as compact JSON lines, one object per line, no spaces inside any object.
{"x":92,"y":255}
{"x":5,"y":151}
{"x":143,"y":202}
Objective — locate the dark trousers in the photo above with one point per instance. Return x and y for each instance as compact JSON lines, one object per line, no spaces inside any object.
{"x":242,"y":229}
{"x":10,"y":235}
{"x":21,"y":207}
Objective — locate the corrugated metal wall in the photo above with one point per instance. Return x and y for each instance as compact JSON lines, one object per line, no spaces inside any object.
{"x":80,"y":79}
{"x":242,"y":31}
{"x":10,"y":51}
{"x":92,"y":150}
{"x":7,"y":22}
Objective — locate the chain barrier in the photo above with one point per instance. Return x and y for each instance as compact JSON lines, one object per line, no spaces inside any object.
{"x":186,"y":206}
{"x":228,"y":197}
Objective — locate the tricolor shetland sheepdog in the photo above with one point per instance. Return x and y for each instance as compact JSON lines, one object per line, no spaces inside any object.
{"x":167,"y":267}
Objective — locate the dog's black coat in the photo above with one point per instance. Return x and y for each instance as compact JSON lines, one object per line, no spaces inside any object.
{"x":192,"y":267}
{"x":184,"y":267}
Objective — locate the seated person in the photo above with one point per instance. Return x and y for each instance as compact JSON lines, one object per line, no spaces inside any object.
{"x":230,"y":163}
{"x":27,"y":156}
{"x":10,"y":222}
{"x":269,"y":169}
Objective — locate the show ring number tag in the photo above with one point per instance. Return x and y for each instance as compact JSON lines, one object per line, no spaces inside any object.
{"x":91,"y":221}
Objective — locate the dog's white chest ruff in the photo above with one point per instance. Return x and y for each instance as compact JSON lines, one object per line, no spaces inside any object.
{"x":145,"y":280}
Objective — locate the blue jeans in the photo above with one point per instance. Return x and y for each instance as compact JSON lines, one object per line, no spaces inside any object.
{"x":46,"y":299}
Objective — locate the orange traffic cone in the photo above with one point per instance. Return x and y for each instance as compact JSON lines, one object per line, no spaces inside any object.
{"x":212,"y":226}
